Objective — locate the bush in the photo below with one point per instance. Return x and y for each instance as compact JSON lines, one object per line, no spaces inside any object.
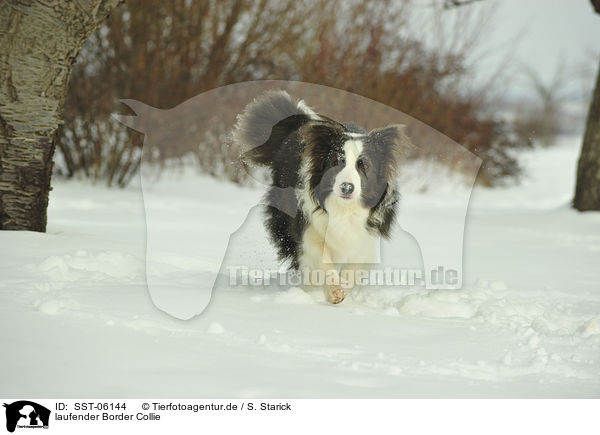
{"x":163,"y":53}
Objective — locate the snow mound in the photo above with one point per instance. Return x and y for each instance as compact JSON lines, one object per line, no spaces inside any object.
{"x":215,"y":328}
{"x":91,"y":266}
{"x":50,"y":307}
{"x":438,"y":304}
{"x":492,"y":304}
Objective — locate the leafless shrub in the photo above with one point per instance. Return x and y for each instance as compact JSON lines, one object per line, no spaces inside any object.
{"x":541,"y":118}
{"x":163,"y":53}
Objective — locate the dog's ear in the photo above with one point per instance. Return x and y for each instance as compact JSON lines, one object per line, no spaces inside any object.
{"x":393,"y":140}
{"x":394,"y":136}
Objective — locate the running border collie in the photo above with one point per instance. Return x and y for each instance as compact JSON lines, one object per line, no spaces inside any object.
{"x":333,"y":191}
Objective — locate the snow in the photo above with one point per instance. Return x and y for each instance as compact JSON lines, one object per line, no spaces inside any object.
{"x":77,"y":320}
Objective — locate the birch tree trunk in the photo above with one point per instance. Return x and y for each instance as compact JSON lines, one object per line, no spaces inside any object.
{"x":39,"y":41}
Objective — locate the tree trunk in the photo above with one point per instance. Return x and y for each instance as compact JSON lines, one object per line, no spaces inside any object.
{"x":587,"y":191}
{"x":39,"y":41}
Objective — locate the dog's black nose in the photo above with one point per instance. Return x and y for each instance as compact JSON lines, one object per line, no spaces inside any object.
{"x":347,"y":188}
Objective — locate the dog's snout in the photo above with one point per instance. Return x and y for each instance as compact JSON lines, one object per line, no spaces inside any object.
{"x":347,"y":188}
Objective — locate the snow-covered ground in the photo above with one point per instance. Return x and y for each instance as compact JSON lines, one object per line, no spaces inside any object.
{"x":76,"y":318}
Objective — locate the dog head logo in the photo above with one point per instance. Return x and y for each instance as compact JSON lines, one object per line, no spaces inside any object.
{"x":207,"y":243}
{"x":26,"y":414}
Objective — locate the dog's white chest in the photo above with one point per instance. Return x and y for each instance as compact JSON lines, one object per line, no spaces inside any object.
{"x":344,"y":235}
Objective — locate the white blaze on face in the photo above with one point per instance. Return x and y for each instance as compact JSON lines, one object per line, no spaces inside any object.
{"x":352,"y":150}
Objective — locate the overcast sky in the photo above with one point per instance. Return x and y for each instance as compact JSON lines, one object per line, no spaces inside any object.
{"x":539,"y":34}
{"x":553,"y":30}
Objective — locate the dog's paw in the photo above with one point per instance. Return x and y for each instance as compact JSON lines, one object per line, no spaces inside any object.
{"x":335,"y":296}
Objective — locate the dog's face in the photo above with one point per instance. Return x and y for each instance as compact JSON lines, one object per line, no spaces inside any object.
{"x":349,"y":166}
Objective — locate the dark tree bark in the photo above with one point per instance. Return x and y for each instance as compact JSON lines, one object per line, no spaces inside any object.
{"x":587,"y":191}
{"x":39,"y":41}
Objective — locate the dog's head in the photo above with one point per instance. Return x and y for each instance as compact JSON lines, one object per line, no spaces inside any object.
{"x":345,"y":166}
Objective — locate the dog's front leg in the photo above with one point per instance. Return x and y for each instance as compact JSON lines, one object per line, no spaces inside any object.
{"x":334,"y":287}
{"x":316,"y":257}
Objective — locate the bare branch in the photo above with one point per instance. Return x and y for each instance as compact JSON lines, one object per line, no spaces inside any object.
{"x":449,"y":4}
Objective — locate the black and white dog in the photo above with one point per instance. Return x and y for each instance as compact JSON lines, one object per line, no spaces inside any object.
{"x":333,"y":191}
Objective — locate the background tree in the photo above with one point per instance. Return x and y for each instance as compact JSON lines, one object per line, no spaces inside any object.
{"x":39,"y":41}
{"x":545,"y":122}
{"x":587,"y":190}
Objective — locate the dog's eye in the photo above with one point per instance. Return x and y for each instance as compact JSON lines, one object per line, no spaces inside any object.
{"x":362,"y":165}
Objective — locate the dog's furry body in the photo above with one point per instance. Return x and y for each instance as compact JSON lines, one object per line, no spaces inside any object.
{"x":334,"y":191}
